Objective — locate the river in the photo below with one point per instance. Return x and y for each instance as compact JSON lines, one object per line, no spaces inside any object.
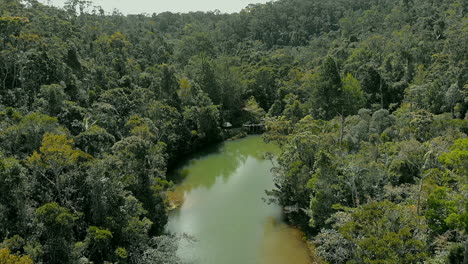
{"x":223,"y":209}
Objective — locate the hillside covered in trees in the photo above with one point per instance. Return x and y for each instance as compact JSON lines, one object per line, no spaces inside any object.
{"x":367,"y":99}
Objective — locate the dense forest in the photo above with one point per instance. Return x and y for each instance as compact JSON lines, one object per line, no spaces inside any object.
{"x":367,"y":99}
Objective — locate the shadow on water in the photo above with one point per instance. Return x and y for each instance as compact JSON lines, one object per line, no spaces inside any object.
{"x":178,"y":171}
{"x":217,"y":160}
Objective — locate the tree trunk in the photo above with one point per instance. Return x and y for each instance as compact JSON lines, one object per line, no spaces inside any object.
{"x":465,"y":258}
{"x":419,"y":196}
{"x":342,"y":129}
{"x":381,"y":92}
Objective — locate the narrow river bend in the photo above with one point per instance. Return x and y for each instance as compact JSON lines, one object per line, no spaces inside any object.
{"x":224,"y":211}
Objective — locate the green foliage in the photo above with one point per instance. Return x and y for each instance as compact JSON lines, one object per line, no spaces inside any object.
{"x":140,"y":127}
{"x":7,"y":258}
{"x":457,"y":158}
{"x":354,"y":98}
{"x":55,"y":218}
{"x":391,"y":175}
{"x":326,"y":91}
{"x":26,"y":135}
{"x":293,"y":109}
{"x":99,"y":243}
{"x":56,"y":224}
{"x":95,"y":106}
{"x":385,"y":233}
{"x":54,"y":96}
{"x":13,"y":185}
{"x":256,"y":113}
{"x":441,"y":210}
{"x":95,"y":140}
{"x":121,"y":253}
{"x":56,"y":153}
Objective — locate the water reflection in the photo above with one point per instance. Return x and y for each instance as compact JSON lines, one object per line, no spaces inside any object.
{"x":224,"y":211}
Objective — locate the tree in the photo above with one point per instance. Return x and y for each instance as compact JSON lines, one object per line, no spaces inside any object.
{"x":99,"y":243}
{"x":193,"y":44}
{"x":457,"y":157}
{"x":163,"y":249}
{"x":442,"y":211}
{"x":26,"y":135}
{"x":7,"y":258}
{"x":383,"y":232}
{"x":255,"y":112}
{"x":168,"y":122}
{"x":95,"y":140}
{"x":119,"y":99}
{"x":144,"y":165}
{"x":50,"y":165}
{"x":262,"y":84}
{"x":333,"y":246}
{"x":13,"y":207}
{"x":55,"y":225}
{"x":326,"y":91}
{"x":143,"y":128}
{"x":203,"y":73}
{"x":324,"y":189}
{"x":354,"y":98}
{"x":293,"y":109}
{"x":55,"y":96}
{"x":230,"y":82}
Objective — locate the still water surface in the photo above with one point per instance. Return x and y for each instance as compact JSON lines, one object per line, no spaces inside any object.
{"x":224,"y":211}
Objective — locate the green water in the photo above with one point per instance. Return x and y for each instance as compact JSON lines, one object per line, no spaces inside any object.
{"x":224,"y":211}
